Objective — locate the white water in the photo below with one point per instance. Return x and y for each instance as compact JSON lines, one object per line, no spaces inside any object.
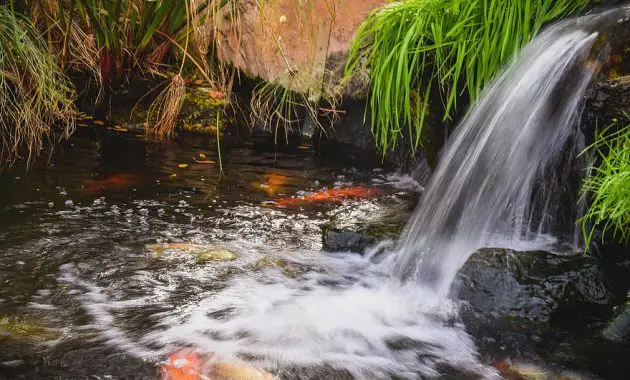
{"x":507,"y":145}
{"x":351,"y":313}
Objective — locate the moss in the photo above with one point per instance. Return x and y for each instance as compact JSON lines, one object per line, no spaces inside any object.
{"x":289,"y":269}
{"x":214,"y":254}
{"x":22,"y":329}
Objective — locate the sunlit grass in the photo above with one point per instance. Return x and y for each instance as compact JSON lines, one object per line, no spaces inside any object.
{"x":608,"y":185}
{"x":454,"y":46}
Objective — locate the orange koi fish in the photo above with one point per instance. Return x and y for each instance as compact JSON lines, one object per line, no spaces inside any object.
{"x":188,"y":365}
{"x":331,"y":195}
{"x":272,"y":183}
{"x":182,"y":365}
{"x":116,"y":181}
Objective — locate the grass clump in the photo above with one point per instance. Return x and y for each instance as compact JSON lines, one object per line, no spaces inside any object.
{"x":35,"y":95}
{"x":282,"y":103}
{"x":454,"y":47}
{"x":608,"y":185}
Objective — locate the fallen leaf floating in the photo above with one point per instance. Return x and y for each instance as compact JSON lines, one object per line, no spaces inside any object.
{"x":331,"y":195}
{"x":182,"y":166}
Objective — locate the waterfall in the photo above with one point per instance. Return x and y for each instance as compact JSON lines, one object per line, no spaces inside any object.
{"x":487,"y":185}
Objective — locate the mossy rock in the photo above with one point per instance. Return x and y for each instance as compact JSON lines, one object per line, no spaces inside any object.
{"x":288,"y":268}
{"x":22,"y":329}
{"x":202,"y":111}
{"x":215,"y":254}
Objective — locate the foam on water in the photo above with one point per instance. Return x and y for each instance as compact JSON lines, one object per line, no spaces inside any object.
{"x":345,"y":312}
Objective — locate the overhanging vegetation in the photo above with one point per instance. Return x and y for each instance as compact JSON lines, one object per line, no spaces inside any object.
{"x":453,"y":46}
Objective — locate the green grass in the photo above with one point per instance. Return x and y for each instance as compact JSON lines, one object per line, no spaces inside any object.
{"x":453,"y":46}
{"x":35,"y":95}
{"x":608,"y":185}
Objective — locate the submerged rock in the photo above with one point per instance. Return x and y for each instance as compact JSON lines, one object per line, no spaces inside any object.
{"x":288,"y":268}
{"x":203,"y":254}
{"x":20,"y":329}
{"x":530,"y":286}
{"x":212,"y":254}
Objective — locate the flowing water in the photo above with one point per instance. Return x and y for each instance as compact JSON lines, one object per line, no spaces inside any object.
{"x":489,"y":189}
{"x":117,"y":252}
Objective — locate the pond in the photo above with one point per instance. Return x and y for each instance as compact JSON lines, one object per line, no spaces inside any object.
{"x":117,"y":252}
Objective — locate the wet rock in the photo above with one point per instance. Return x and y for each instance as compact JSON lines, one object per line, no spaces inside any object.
{"x":530,"y":286}
{"x":19,"y":329}
{"x":619,"y":329}
{"x":215,"y":254}
{"x":336,"y":240}
{"x":203,"y":254}
{"x":288,"y":268}
{"x":353,"y":228}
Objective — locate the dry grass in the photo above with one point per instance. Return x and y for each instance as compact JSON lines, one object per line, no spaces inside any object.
{"x":35,"y":95}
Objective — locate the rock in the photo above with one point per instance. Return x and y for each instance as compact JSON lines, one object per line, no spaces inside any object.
{"x":530,"y":286}
{"x":619,"y":329}
{"x":203,"y":254}
{"x":288,"y":268}
{"x":336,"y":240}
{"x":251,"y":42}
{"x":20,"y":329}
{"x":355,"y":227}
{"x":213,"y":254}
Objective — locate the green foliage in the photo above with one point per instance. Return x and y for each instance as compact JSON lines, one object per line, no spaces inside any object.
{"x":608,"y":185}
{"x":34,"y":92}
{"x":454,"y":46}
{"x":126,"y":31}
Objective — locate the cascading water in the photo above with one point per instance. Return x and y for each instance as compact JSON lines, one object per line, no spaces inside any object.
{"x":357,"y":316}
{"x":512,"y":138}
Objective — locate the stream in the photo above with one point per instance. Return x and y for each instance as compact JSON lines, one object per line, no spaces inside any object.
{"x":122,"y":258}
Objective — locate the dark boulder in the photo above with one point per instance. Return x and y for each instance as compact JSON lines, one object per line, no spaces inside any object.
{"x":355,"y":227}
{"x":530,"y":287}
{"x":619,"y":329}
{"x":336,"y":240}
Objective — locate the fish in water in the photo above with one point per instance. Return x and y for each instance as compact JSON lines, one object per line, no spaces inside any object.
{"x":272,"y":183}
{"x":331,"y":195}
{"x":182,"y":365}
{"x":188,"y":365}
{"x":116,"y":181}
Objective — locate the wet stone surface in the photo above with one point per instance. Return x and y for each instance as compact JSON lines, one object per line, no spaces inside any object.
{"x":531,"y":286}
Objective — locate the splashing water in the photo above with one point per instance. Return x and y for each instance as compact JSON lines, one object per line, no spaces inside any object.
{"x":357,"y":316}
{"x":507,"y":144}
